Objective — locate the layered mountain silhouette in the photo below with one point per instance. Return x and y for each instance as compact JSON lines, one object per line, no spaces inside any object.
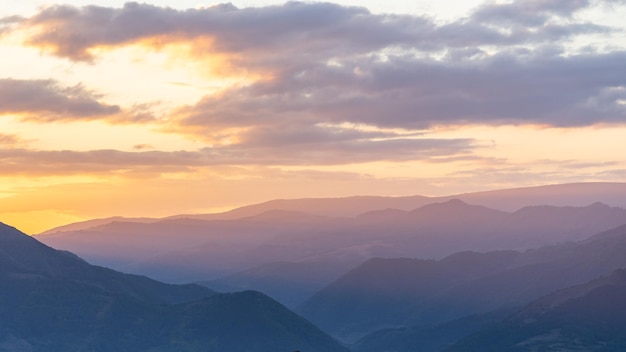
{"x":347,"y":264}
{"x":573,"y":194}
{"x":239,"y":253}
{"x":390,"y":293}
{"x":394,"y":293}
{"x":588,"y":317}
{"x":52,"y":300}
{"x":288,"y":282}
{"x":428,"y":338}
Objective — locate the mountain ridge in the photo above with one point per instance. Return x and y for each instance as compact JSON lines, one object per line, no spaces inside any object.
{"x":54,"y":301}
{"x":418,"y":292}
{"x":611,"y":193}
{"x":586,"y":317}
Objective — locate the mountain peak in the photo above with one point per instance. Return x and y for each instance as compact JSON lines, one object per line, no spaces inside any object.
{"x":6,"y":230}
{"x":455,"y":201}
{"x":455,"y":208}
{"x":598,"y":205}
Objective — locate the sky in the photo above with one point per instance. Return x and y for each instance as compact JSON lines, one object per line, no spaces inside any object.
{"x":168,"y":107}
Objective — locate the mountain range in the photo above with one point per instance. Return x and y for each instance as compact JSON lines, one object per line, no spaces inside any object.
{"x":587,"y":317}
{"x":532,"y":269}
{"x":274,"y":250}
{"x":401,"y":292}
{"x":52,"y":300}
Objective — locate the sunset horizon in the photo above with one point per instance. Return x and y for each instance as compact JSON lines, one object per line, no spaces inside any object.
{"x":165,"y":108}
{"x":315,"y":176}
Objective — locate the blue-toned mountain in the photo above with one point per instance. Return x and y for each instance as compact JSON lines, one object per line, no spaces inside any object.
{"x":54,"y":301}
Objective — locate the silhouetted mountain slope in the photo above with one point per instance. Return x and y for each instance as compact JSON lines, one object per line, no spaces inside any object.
{"x":21,"y":254}
{"x":384,"y":293}
{"x":189,"y":250}
{"x":572,"y":194}
{"x":589,"y":317}
{"x":334,"y":207}
{"x":430,"y":338}
{"x":387,"y":293}
{"x":457,"y":210}
{"x":545,"y":270}
{"x":184,"y":250}
{"x":54,"y":301}
{"x":566,"y":223}
{"x":288,"y":282}
{"x":569,"y":194}
{"x":82,"y":225}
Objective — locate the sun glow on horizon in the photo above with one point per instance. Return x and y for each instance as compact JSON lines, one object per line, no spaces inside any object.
{"x":186,"y":106}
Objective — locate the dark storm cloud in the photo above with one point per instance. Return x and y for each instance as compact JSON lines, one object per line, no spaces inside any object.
{"x":44,"y":100}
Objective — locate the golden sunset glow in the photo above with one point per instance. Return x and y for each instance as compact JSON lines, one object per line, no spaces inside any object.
{"x":166,"y":108}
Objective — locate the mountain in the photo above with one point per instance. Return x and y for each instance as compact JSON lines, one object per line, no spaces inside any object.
{"x":451,"y":225}
{"x":428,"y":338}
{"x":395,"y":293}
{"x":569,"y":194}
{"x":54,"y":301}
{"x":572,"y":194}
{"x":82,"y":225}
{"x":386,"y":293}
{"x":239,"y":252}
{"x":333,"y":207}
{"x":21,"y":255}
{"x":290,"y":283}
{"x":588,"y":317}
{"x":565,"y":223}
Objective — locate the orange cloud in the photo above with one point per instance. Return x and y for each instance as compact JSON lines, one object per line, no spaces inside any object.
{"x":10,"y":140}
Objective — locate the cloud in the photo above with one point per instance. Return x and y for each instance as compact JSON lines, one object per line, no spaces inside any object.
{"x":325,"y":66}
{"x":341,"y":151}
{"x":47,"y":101}
{"x":518,"y":87}
{"x":9,"y":139}
{"x":264,"y":36}
{"x":7,"y":23}
{"x":44,"y":100}
{"x":531,"y":13}
{"x":142,"y":146}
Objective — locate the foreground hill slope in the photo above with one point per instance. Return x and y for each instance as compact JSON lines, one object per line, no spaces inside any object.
{"x":24,"y":256}
{"x":54,"y":301}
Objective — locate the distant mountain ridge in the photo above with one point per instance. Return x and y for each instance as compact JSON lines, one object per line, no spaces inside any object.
{"x":236,"y":253}
{"x":574,"y":194}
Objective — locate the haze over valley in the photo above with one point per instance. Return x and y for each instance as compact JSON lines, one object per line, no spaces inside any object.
{"x":312,"y":176}
{"x":392,"y":273}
